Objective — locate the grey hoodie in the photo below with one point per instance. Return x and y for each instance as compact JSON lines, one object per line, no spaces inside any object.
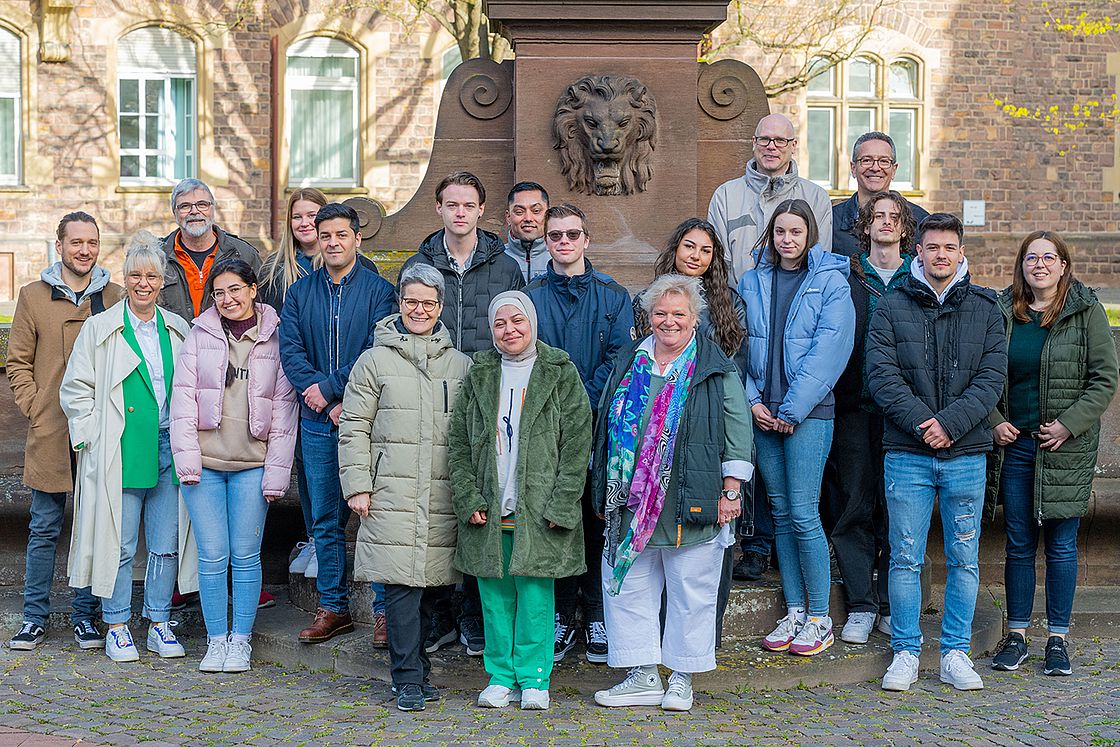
{"x":533,"y":262}
{"x":920,"y":276}
{"x":52,"y":276}
{"x":741,"y":208}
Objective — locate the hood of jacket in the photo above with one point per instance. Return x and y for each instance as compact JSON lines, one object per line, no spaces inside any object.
{"x":920,"y":278}
{"x":819,"y":261}
{"x":489,"y":248}
{"x":390,"y":332}
{"x":762,"y":184}
{"x":268,"y":321}
{"x":52,"y":276}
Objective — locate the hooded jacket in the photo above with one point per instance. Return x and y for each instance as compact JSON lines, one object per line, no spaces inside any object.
{"x":175,"y":294}
{"x":392,"y":444}
{"x":466,"y":297}
{"x":589,"y":316}
{"x":46,"y":323}
{"x":533,"y":259}
{"x":1077,"y":381}
{"x":818,"y":333}
{"x":942,"y":356}
{"x":741,"y":208}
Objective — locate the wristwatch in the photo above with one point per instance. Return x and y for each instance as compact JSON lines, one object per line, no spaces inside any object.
{"x":731,"y":495}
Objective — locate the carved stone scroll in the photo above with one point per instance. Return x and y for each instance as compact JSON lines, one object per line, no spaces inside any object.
{"x":486,"y":96}
{"x":723,"y":92}
{"x":54,"y":30}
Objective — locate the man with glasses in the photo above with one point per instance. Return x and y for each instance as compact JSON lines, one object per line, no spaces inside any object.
{"x":525,"y":209}
{"x":194,"y":247}
{"x":741,"y":208}
{"x":874,"y":163}
{"x":587,"y":314}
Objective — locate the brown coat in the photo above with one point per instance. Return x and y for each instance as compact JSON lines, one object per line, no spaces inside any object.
{"x":43,"y":331}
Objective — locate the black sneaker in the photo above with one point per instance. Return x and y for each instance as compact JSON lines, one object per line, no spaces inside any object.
{"x":750,"y":567}
{"x":29,"y":636}
{"x":472,"y":636}
{"x":411,"y":698}
{"x":430,"y":691}
{"x":1010,"y":653}
{"x":596,"y":636}
{"x":87,"y":636}
{"x":443,"y":632}
{"x":565,"y":636}
{"x":1057,"y":658}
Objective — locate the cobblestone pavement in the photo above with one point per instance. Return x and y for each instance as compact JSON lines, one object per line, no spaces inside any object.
{"x":74,"y":695}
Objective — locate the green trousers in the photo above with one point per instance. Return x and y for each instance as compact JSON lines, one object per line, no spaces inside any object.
{"x":519,"y":617}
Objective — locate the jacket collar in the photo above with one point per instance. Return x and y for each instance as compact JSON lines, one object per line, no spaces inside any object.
{"x":52,"y":276}
{"x":819,"y":261}
{"x":762,"y":184}
{"x":575,"y":284}
{"x":546,"y":372}
{"x":919,"y":279}
{"x":489,"y":248}
{"x":112,"y":321}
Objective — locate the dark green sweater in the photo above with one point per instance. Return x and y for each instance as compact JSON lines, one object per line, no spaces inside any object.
{"x":1024,"y":363}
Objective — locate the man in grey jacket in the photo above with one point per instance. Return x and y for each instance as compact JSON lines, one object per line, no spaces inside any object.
{"x":741,"y":208}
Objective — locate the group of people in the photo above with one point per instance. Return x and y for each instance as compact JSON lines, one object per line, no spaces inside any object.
{"x":508,"y":420}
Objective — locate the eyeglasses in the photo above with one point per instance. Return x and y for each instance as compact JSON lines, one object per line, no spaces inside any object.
{"x":867,"y":162}
{"x":410,"y":304}
{"x":1047,"y":259}
{"x":201,"y":206}
{"x":765,"y":142}
{"x":573,"y":234}
{"x":233,"y":290}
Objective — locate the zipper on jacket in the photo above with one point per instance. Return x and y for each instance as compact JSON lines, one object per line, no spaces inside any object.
{"x":446,"y":398}
{"x":376,"y":468}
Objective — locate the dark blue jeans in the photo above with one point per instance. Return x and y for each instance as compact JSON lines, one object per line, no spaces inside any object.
{"x":329,"y":512}
{"x":1016,"y":489}
{"x":47,"y":511}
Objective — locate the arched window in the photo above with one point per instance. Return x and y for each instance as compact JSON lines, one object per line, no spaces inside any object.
{"x":11,"y":108}
{"x":856,"y":96}
{"x":156,"y":72}
{"x":322,"y":113}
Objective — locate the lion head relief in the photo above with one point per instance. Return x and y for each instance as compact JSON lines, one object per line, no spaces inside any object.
{"x":605,"y":128}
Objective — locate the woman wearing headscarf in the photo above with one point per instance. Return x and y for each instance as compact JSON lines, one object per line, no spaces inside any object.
{"x":518,"y":448}
{"x":673,"y":446}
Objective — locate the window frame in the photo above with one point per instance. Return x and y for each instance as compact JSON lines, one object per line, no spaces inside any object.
{"x":16,"y":178}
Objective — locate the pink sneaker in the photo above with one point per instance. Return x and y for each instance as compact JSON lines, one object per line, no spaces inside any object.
{"x":813,"y":638}
{"x":782,"y":636}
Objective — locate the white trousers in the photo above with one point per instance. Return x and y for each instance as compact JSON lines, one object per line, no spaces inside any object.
{"x":690,"y":578}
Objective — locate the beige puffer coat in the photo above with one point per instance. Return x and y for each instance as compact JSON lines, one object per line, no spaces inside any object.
{"x":393,"y":444}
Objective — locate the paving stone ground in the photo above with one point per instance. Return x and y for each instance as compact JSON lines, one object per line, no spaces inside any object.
{"x":83,"y":698}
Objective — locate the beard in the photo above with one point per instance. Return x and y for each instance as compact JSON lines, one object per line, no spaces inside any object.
{"x":197,"y":229}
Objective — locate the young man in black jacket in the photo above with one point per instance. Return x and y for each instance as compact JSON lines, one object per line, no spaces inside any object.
{"x":936,"y":363}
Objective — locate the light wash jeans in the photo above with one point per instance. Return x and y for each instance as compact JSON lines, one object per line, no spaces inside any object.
{"x":792,"y":467}
{"x":227,"y":511}
{"x":912,"y":482}
{"x":160,"y":507}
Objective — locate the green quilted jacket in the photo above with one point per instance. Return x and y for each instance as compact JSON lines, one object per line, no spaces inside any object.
{"x":551,"y":469}
{"x":1076,"y":384}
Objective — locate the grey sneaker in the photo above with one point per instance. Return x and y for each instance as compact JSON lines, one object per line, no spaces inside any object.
{"x":884,"y":625}
{"x":678,"y":696}
{"x":533,"y":699}
{"x":858,"y":627}
{"x":957,"y":670}
{"x":640,"y":688}
{"x":902,"y":673}
{"x":495,"y":696}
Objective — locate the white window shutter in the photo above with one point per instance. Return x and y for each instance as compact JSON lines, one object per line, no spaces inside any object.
{"x":157,"y":50}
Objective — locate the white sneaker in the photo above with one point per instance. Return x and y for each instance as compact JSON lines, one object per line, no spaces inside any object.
{"x":119,"y":645}
{"x":884,"y":625}
{"x":312,"y":569}
{"x":678,"y":696}
{"x":858,"y":627}
{"x":638,"y":689}
{"x":902,"y":673}
{"x":957,"y":670}
{"x":495,"y":696}
{"x":163,"y":642}
{"x":782,"y":636}
{"x":304,"y":551}
{"x":533,"y":699}
{"x":237,"y":656}
{"x":215,"y":658}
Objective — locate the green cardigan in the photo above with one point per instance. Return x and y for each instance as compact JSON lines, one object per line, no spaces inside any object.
{"x":140,"y":439}
{"x":551,"y":469}
{"x":1077,"y":379}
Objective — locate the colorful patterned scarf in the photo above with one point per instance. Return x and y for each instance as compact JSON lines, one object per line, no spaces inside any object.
{"x":639,"y":480}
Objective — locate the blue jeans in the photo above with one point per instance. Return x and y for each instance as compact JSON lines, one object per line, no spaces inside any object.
{"x":228,"y":511}
{"x":329,"y":513}
{"x":792,"y":467}
{"x":160,"y":507}
{"x":912,"y":482}
{"x":1016,"y":489}
{"x":378,"y":604}
{"x":762,"y":541}
{"x":47,"y":511}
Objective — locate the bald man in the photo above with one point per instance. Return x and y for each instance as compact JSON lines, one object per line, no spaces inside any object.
{"x":741,"y":208}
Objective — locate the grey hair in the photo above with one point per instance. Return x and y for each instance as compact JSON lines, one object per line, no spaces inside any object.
{"x":424,"y":275}
{"x":682,"y":285}
{"x":874,"y":135}
{"x":189,"y":184}
{"x":144,"y":249}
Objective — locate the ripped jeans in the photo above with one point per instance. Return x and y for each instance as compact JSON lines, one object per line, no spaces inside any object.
{"x":912,"y":482}
{"x":160,"y":507}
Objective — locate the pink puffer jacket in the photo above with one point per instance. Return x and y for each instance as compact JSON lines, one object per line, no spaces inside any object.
{"x":199,"y":385}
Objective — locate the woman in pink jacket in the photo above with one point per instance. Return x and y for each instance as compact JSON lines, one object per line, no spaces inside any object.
{"x":233,"y":435}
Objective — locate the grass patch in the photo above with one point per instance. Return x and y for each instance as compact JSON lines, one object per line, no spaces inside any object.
{"x":1113,"y":314}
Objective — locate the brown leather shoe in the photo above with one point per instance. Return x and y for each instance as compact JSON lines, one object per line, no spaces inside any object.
{"x":326,"y":626}
{"x":380,"y":632}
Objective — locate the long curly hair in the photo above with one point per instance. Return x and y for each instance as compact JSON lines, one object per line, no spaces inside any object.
{"x":1021,"y":294}
{"x":867,"y":217}
{"x":717,"y":292}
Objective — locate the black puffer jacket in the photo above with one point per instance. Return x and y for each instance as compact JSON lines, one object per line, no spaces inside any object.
{"x":947,"y":360}
{"x":466,"y":298}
